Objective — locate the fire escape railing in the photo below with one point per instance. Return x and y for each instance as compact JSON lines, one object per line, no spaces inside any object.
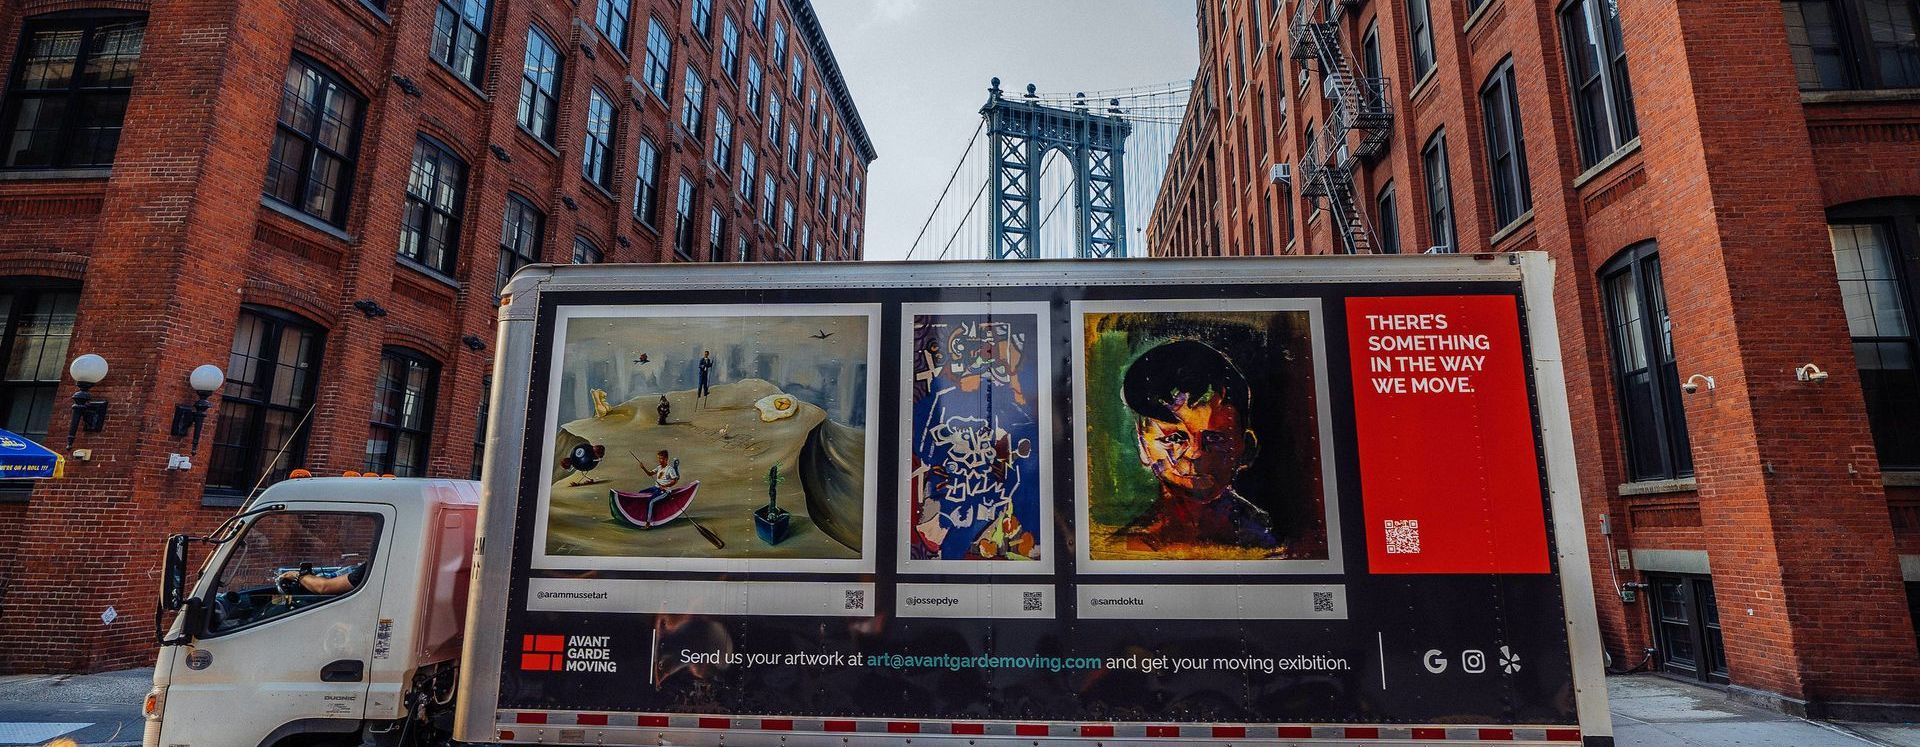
{"x":1358,"y":124}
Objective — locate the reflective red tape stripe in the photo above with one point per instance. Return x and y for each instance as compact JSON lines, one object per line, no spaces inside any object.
{"x":530,"y":718}
{"x":1429,"y":733}
{"x":975,"y":729}
{"x":591,"y":719}
{"x":837,"y":725}
{"x":1030,"y":730}
{"x":715,"y":723}
{"x":657,"y":722}
{"x":1362,"y":732}
{"x":902,"y":727}
{"x":1096,"y":730}
{"x":1563,"y":735}
{"x":1496,"y":735}
{"x":1292,"y":732}
{"x":1229,"y":732}
{"x":1163,"y":731}
{"x":776,"y":724}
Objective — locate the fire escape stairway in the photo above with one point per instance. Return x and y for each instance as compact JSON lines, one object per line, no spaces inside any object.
{"x":1359,"y":119}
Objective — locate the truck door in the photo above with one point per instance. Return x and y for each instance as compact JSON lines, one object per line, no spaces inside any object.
{"x":275,"y":651}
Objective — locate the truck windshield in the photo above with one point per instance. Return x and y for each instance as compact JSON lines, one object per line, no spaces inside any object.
{"x":290,"y":561}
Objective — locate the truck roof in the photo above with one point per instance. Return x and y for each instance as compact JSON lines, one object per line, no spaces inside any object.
{"x":395,"y":490}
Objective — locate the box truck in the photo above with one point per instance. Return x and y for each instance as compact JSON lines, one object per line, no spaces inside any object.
{"x":1300,"y":500}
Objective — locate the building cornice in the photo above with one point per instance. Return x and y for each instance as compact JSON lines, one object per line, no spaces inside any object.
{"x":809,"y":25}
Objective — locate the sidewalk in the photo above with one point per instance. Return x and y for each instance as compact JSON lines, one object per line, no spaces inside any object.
{"x":1652,"y":711}
{"x":1648,"y":711}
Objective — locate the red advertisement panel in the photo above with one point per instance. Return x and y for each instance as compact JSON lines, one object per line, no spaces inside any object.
{"x":1449,"y":476}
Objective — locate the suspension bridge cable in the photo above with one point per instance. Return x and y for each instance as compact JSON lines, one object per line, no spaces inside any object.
{"x":943,"y":190}
{"x":963,"y":220}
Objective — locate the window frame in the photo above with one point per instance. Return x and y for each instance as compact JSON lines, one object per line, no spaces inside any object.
{"x":701,"y":16}
{"x":1511,"y":190}
{"x":596,"y":148}
{"x":686,"y":203}
{"x":722,"y":139}
{"x":1860,"y":54}
{"x":693,"y":103}
{"x":1901,"y":218}
{"x":73,"y":93}
{"x":585,"y":252}
{"x":729,"y":47}
{"x":279,"y":322}
{"x":716,"y":235}
{"x":1667,"y":413}
{"x":1420,"y":51}
{"x":1620,"y":120}
{"x":379,"y":533}
{"x":25,"y":294}
{"x":1439,"y":194}
{"x":450,"y":253}
{"x":615,"y":34}
{"x":462,"y":26}
{"x":656,"y":70}
{"x":531,"y":115}
{"x":512,"y":256}
{"x":1387,"y":215}
{"x":428,"y":399}
{"x":646,"y":184}
{"x":311,"y":148}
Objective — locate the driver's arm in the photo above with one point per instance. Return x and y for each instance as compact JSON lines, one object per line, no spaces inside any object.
{"x":320,"y":584}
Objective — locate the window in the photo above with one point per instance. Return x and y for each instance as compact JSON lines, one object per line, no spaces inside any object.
{"x":273,"y":369}
{"x":730,"y":48}
{"x":460,"y":37}
{"x":773,"y":120}
{"x":1369,"y":53}
{"x":1877,"y":288}
{"x":716,"y":236}
{"x":779,"y":45}
{"x":786,"y":227}
{"x":1433,"y":161}
{"x":743,"y":251}
{"x":333,"y":544}
{"x":813,"y":108}
{"x":397,"y":437}
{"x":659,"y":57}
{"x":747,"y":167}
{"x":813,"y":185}
{"x":519,"y":238}
{"x":1506,"y":146}
{"x":692,"y":99}
{"x":68,"y":95}
{"x":1645,"y":376}
{"x":34,"y":333}
{"x":722,"y":139}
{"x":430,"y":223}
{"x":683,"y":230}
{"x":480,"y":427}
{"x":793,"y":148}
{"x":797,"y":79}
{"x":760,"y":15}
{"x":806,"y":238}
{"x":753,"y":85}
{"x":1387,"y":216}
{"x":539,"y":86}
{"x":1686,"y":627}
{"x":311,"y":165}
{"x":1420,"y":33}
{"x":703,"y":18}
{"x":1597,"y":68}
{"x":768,"y":193}
{"x":646,"y":183}
{"x":1842,"y":44}
{"x":611,"y":19}
{"x":596,"y":158}
{"x":585,"y":252}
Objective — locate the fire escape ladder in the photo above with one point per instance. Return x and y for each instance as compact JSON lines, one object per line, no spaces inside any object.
{"x":1359,"y":121}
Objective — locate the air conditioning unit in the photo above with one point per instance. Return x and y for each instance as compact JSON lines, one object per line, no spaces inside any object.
{"x":1440,"y":249}
{"x":1281,"y":173}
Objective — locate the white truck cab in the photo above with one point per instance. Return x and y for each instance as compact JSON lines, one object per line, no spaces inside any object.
{"x":328,"y":611}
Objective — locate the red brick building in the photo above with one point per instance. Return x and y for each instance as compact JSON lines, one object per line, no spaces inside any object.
{"x":322,"y":197}
{"x":1730,"y":192}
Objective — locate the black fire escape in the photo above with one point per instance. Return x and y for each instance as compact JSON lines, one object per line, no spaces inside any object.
{"x":1359,"y":120}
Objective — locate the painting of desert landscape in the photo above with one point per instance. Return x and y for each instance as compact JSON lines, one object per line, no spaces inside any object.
{"x":710,"y":437}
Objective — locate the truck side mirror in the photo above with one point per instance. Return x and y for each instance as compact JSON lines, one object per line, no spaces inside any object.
{"x":173,"y":574}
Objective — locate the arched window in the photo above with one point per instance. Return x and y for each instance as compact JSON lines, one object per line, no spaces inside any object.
{"x":1646,"y":379}
{"x":72,"y":76}
{"x":260,"y":431}
{"x":401,"y":427}
{"x":1873,"y":248}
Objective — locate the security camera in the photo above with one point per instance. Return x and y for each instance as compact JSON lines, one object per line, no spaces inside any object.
{"x":1810,"y":373}
{"x":1693,"y":383}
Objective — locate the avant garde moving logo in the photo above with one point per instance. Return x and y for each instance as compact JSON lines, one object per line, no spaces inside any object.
{"x":557,"y":653}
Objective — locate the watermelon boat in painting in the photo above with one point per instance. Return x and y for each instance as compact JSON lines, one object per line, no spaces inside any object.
{"x":646,"y":509}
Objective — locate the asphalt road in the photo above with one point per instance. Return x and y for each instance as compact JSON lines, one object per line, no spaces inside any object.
{"x":1648,"y":711}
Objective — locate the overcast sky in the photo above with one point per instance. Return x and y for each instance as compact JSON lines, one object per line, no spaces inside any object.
{"x":918,"y":71}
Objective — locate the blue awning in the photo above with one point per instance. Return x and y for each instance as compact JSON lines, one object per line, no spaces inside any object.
{"x":20,"y":458}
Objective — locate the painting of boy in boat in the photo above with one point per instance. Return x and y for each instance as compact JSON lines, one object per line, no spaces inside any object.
{"x":1203,"y":440}
{"x":975,"y":492}
{"x":698,"y":405}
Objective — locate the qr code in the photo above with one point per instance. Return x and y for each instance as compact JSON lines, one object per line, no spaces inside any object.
{"x":1030,"y":601}
{"x":1323,"y":601}
{"x":1403,"y":537}
{"x":856,"y":599}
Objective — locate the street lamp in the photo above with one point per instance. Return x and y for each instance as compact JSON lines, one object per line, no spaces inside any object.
{"x":86,"y":371}
{"x":187,"y":418}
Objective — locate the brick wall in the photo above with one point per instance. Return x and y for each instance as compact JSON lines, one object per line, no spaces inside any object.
{"x":169,"y":244}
